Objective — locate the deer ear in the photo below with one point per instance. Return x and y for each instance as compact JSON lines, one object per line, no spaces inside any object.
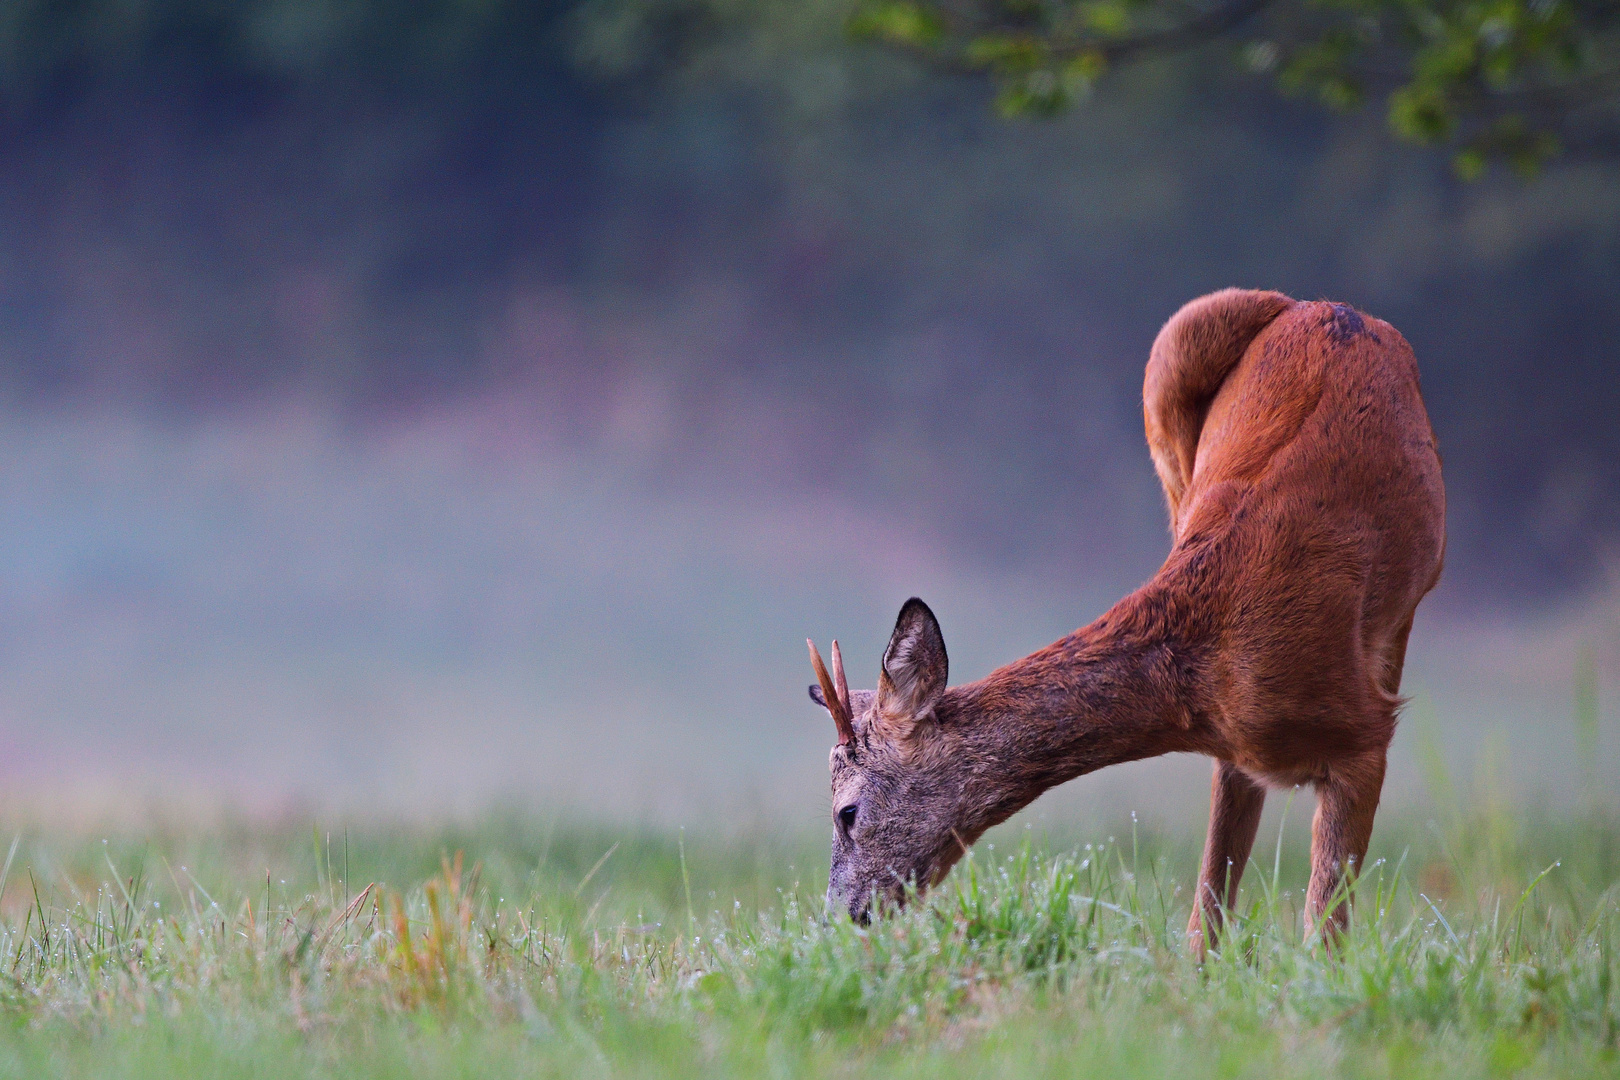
{"x":915,"y":667}
{"x":817,"y":696}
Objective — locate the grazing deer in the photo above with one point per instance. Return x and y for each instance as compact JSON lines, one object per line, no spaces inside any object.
{"x":1308,"y":520}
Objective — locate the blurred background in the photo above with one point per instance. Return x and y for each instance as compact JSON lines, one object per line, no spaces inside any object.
{"x":412,"y":406}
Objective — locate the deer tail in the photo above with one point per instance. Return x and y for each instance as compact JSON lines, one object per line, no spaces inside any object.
{"x":1192,"y":356}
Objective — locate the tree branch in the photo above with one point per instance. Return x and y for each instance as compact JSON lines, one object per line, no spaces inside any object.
{"x":1206,"y":27}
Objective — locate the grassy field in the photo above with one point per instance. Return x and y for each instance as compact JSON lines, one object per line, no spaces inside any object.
{"x":1484,"y":945}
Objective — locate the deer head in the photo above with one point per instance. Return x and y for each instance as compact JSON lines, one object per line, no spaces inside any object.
{"x":902,"y":799}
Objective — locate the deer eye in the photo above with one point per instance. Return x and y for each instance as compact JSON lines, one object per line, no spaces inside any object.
{"x":846,"y":817}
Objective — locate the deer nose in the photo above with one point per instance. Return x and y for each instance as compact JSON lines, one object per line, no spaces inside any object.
{"x":860,"y":913}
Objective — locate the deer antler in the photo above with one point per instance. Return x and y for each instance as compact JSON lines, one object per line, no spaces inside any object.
{"x":837,"y":694}
{"x":840,"y":683}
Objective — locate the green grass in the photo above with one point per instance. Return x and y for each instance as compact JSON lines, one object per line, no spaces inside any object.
{"x":519,"y":947}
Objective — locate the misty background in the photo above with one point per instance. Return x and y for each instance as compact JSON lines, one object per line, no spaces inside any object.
{"x":423,"y":404}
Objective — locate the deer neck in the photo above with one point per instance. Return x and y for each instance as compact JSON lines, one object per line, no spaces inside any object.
{"x":1126,"y":687}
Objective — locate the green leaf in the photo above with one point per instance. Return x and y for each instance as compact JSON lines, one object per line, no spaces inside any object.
{"x":1323,"y":69}
{"x":1468,"y":164}
{"x":1421,"y":113}
{"x":1007,"y":54}
{"x":898,"y":24}
{"x":1084,"y":70}
{"x":1110,"y":18}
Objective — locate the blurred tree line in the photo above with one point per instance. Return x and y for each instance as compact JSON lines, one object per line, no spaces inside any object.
{"x":51,"y":48}
{"x":1518,"y":80}
{"x":715,"y":203}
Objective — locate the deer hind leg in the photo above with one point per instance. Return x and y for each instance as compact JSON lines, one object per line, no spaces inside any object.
{"x":1235,"y":802}
{"x":1345,"y":805}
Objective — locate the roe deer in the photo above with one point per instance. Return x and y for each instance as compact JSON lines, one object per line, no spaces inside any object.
{"x":1307,"y":517}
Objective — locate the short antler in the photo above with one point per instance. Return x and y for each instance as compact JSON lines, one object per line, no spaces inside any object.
{"x":840,"y":683}
{"x":836,"y":693}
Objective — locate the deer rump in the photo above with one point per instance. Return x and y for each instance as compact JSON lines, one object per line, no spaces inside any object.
{"x":1307,"y":509}
{"x":1307,"y":512}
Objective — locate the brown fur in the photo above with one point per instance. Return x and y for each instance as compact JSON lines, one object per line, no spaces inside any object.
{"x":1307,"y":513}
